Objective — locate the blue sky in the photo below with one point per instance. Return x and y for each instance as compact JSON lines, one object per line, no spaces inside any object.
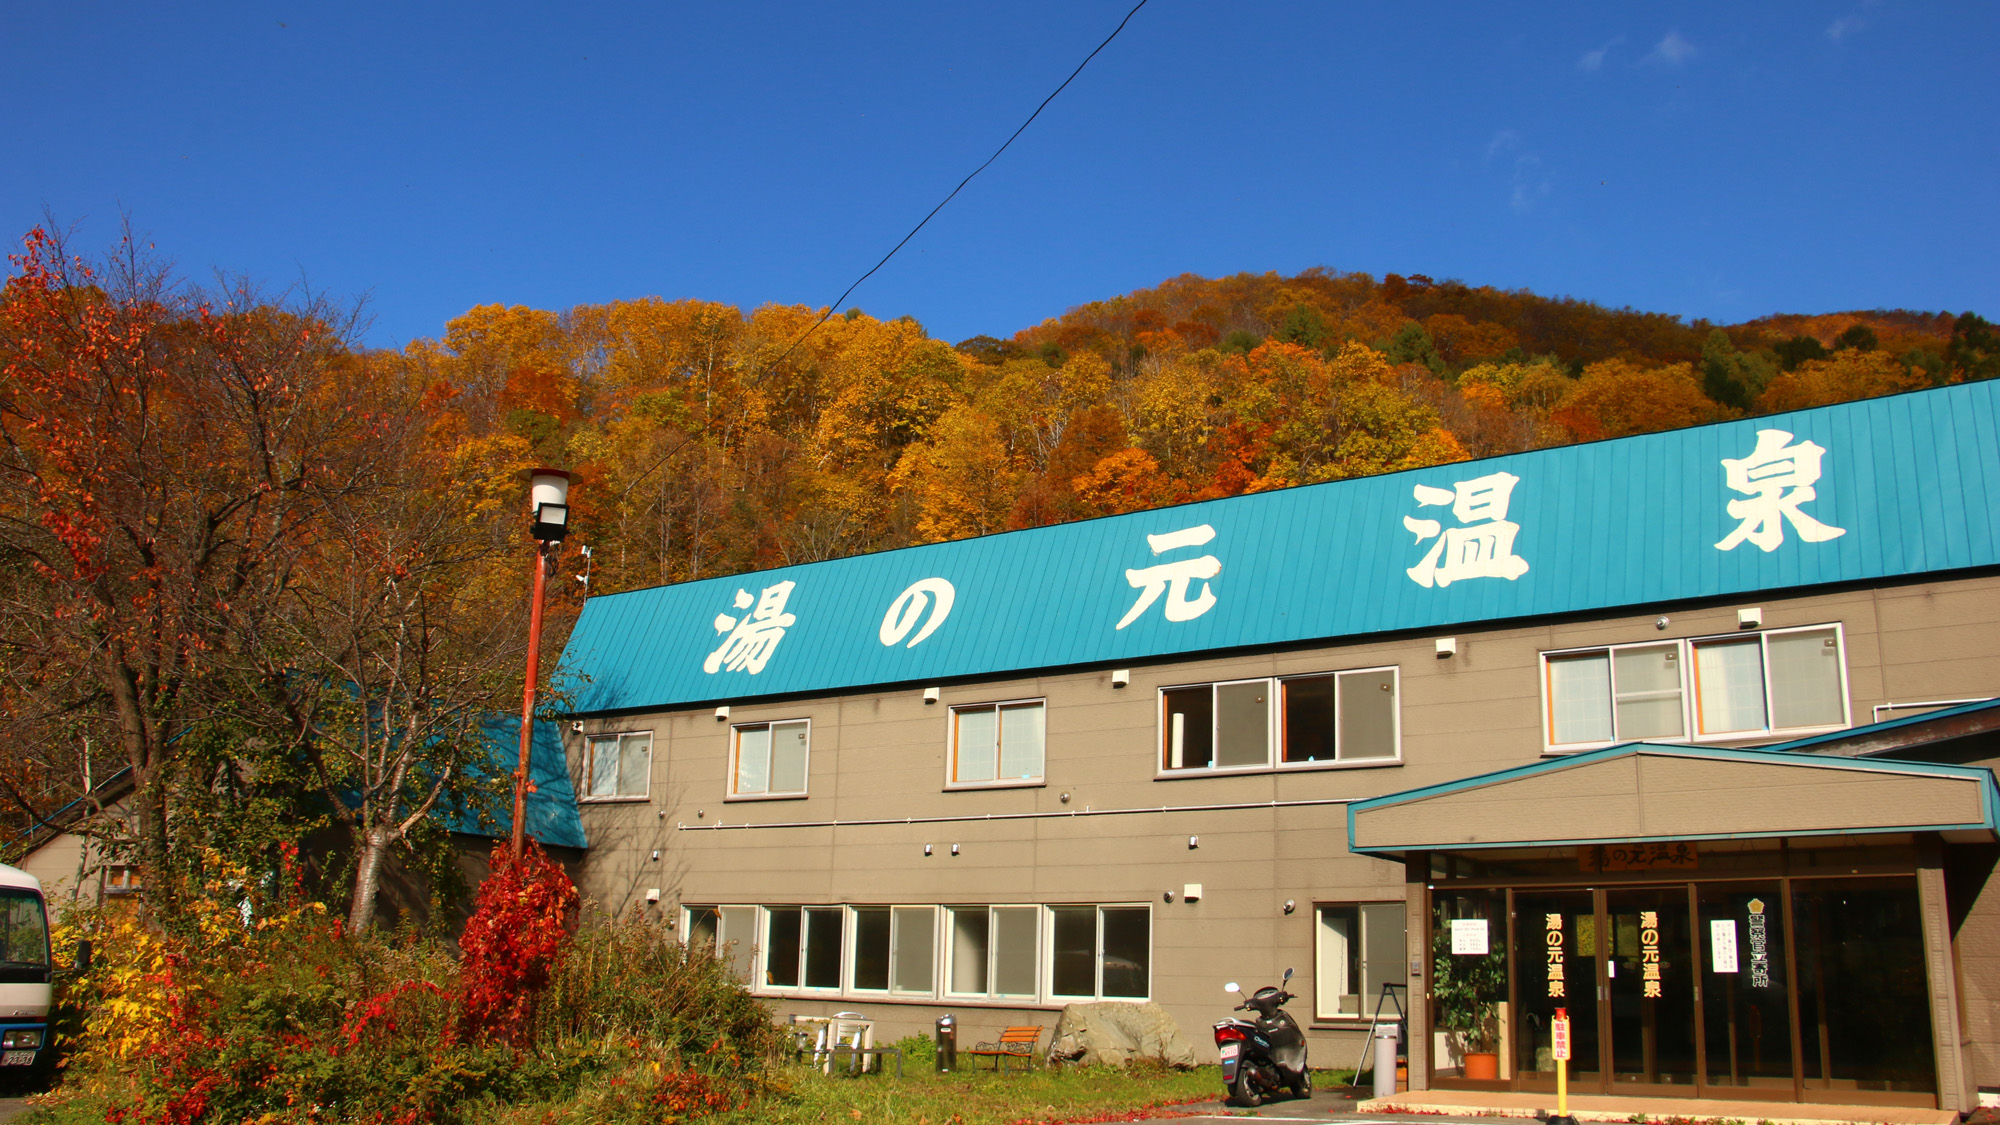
{"x":1718,"y":160}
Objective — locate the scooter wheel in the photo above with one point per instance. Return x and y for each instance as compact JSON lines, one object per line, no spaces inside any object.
{"x":1244,"y":1089}
{"x":1302,"y":1086}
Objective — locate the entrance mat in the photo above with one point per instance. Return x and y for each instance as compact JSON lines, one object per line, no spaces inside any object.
{"x":1592,"y":1107}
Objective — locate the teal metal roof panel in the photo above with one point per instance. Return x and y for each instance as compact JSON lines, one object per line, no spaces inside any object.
{"x":1867,"y":490}
{"x":551,"y":809}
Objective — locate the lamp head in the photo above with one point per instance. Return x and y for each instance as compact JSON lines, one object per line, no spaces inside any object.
{"x":548,"y":504}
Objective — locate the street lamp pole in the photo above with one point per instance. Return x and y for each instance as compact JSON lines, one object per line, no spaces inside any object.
{"x":549,"y":503}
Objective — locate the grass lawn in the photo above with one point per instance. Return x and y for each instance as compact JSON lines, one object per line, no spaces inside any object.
{"x":798,"y":1095}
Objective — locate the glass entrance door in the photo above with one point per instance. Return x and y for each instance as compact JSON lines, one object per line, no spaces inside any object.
{"x":1649,"y":984}
{"x":1556,"y":942}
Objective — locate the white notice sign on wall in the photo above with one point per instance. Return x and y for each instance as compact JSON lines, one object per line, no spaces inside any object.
{"x":1722,"y":945}
{"x":1468,"y":936}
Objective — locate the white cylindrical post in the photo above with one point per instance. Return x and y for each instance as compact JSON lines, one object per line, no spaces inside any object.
{"x":1385,"y":1061}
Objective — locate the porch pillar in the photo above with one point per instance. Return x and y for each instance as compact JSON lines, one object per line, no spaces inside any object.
{"x":1952,"y":1078}
{"x":1417,"y":944}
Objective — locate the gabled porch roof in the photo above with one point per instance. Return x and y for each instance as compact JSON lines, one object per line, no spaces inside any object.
{"x":1657,"y":791}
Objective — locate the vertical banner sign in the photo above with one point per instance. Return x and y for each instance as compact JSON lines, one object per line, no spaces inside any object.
{"x":1649,"y":953}
{"x":1559,"y":1046}
{"x":1554,"y":926}
{"x":1760,"y":945}
{"x":1722,"y":945}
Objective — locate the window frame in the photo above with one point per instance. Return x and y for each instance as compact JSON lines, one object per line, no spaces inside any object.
{"x":761,"y":966}
{"x":947,"y":963}
{"x":850,"y":957}
{"x":590,"y":744}
{"x":735,"y":762}
{"x":1361,"y":958}
{"x":1690,"y":687}
{"x":1048,"y":942}
{"x":1275,"y":725}
{"x":951,"y":781}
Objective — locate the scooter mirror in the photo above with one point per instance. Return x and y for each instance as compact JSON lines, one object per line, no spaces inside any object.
{"x":1288,"y":976}
{"x":1232,"y":986}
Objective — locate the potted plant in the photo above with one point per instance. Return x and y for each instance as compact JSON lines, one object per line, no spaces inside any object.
{"x":1467,"y":989}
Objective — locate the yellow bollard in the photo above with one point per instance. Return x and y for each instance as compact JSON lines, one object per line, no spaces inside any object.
{"x":1559,"y":1047}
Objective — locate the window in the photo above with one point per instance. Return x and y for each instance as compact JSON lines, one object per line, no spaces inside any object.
{"x":730,"y":932}
{"x":621,"y":765}
{"x":997,"y":743}
{"x":1360,"y":948}
{"x":1331,"y":719}
{"x":895,"y":949}
{"x":769,"y":759}
{"x":802,"y":946}
{"x":1100,"y":952}
{"x":992,"y":950}
{"x":1734,"y":686}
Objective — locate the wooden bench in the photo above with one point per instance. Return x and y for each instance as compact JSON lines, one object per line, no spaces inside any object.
{"x":1014,"y":1043}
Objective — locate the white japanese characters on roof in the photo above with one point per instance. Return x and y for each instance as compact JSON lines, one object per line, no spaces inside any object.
{"x":1894,"y":486}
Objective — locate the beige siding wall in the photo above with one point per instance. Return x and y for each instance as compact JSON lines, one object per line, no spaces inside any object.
{"x":881,"y":756}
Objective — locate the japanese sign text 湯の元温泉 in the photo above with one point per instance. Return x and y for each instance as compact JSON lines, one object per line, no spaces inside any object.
{"x":1827,"y":495}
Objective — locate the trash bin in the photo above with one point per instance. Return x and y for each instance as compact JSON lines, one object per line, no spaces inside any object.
{"x":1385,"y":1061}
{"x":947,"y":1044}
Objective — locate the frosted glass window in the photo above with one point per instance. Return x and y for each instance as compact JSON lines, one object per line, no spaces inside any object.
{"x":1649,"y":691}
{"x":969,"y":949}
{"x":1243,"y":724}
{"x":1021,"y":735}
{"x":978,"y":744}
{"x":1730,"y":675}
{"x":998,"y":743}
{"x":620,"y":765}
{"x":771,"y":759}
{"x":1367,"y":715}
{"x":915,"y":933}
{"x":1014,"y":934}
{"x":1579,"y":698}
{"x":1805,"y":679}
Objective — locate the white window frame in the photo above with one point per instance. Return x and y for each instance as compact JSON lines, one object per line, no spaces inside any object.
{"x":1366,"y":1003}
{"x":1685,"y":647}
{"x":951,"y":746}
{"x":1048,"y":940}
{"x":590,"y":744}
{"x":1275,"y":725}
{"x":854,"y":944}
{"x":735,"y":763}
{"x":946,"y":962}
{"x":763,"y":959}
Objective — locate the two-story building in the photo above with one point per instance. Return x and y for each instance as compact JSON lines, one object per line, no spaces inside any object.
{"x":1680,"y":732}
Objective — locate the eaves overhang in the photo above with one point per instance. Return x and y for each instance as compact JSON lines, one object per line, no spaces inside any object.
{"x":1670,"y":792}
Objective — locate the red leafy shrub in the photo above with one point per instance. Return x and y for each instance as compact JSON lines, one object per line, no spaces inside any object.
{"x":513,"y":945}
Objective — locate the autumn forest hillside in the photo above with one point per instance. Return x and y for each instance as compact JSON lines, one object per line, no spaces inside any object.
{"x":708,"y":440}
{"x":253,"y":562}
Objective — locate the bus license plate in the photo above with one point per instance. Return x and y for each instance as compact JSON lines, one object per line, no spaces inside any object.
{"x":18,"y":1058}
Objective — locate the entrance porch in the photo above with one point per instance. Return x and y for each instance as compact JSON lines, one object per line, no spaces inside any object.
{"x":1725,"y":924}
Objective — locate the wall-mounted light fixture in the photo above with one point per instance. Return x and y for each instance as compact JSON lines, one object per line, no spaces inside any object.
{"x":1290,"y":906}
{"x":652,"y":894}
{"x":927,"y":849}
{"x":1191,"y":892}
{"x":1447,"y":647}
{"x":1194,"y":842}
{"x":1661,"y":623}
{"x":1749,"y":618}
{"x":954,"y":849}
{"x":930,"y":695}
{"x":1121,"y":677}
{"x":576,"y":727}
{"x":1168,"y":897}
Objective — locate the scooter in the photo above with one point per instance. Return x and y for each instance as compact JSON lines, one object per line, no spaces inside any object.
{"x":1266,"y":1053}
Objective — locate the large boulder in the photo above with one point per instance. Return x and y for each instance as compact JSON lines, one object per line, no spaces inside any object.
{"x":1114,"y":1033}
